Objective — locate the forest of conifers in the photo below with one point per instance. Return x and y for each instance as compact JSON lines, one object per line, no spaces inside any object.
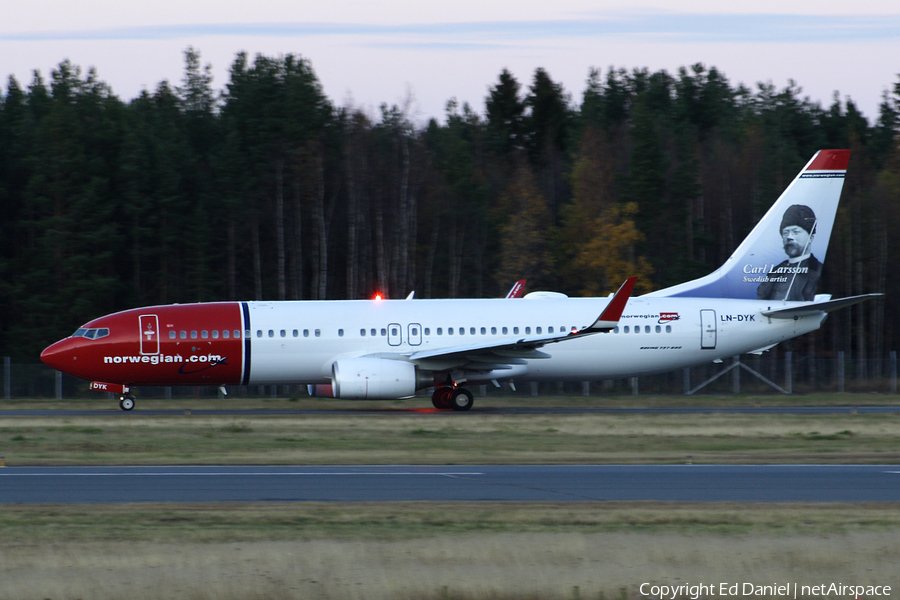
{"x":264,"y":189}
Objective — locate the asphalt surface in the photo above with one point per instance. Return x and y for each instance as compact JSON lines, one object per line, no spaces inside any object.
{"x":698,"y":483}
{"x":550,"y":410}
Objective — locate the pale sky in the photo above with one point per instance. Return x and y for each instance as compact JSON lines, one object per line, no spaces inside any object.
{"x":368,"y":52}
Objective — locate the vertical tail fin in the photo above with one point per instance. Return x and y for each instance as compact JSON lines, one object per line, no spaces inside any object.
{"x":781,"y":258}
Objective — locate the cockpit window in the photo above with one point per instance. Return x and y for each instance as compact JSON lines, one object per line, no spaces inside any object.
{"x":92,"y":334}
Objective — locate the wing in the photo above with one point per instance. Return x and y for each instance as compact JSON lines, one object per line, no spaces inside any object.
{"x":516,"y":290}
{"x":504,"y":354}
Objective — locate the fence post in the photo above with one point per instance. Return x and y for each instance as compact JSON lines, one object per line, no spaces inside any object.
{"x":534,"y":388}
{"x":788,"y":372}
{"x":7,"y":378}
{"x":840,"y":371}
{"x":686,"y":380}
{"x":634,"y":386}
{"x":736,"y":377}
{"x":168,"y":392}
{"x":482,"y":391}
{"x":59,"y":385}
{"x":585,"y":388}
{"x":893,"y":371}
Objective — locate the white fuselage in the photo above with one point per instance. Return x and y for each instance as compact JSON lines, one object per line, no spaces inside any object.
{"x":295,"y":342}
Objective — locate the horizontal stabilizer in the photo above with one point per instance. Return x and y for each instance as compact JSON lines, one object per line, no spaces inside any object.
{"x":816,"y":308}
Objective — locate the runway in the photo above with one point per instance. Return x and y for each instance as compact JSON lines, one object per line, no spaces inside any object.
{"x":479,"y":483}
{"x":110,"y":409}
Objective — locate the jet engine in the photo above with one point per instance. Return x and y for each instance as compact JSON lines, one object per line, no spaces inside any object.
{"x":377,"y":379}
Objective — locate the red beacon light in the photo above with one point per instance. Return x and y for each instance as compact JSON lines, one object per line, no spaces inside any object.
{"x":378,"y":297}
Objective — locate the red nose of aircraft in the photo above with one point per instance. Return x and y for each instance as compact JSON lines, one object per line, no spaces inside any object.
{"x":62,"y":355}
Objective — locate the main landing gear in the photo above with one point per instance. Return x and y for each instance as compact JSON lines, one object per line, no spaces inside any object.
{"x":455,"y":398}
{"x":126,"y":401}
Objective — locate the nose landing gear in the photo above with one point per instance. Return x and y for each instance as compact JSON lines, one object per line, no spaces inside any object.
{"x":126,"y":401}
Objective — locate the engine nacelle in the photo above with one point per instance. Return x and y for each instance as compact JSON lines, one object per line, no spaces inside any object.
{"x":376,"y":379}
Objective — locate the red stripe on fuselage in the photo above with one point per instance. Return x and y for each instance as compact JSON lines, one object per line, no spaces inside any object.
{"x":188,"y":358}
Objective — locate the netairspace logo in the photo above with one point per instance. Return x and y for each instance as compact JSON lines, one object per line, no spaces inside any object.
{"x":790,"y":590}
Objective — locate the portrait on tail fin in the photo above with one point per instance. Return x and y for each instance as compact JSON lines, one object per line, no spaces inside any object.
{"x":797,"y":277}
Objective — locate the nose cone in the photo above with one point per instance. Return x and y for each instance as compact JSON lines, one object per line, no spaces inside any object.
{"x":61,"y":355}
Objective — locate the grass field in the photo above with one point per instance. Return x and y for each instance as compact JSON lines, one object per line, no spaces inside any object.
{"x":434,"y":550}
{"x":413,"y":434}
{"x":481,"y":551}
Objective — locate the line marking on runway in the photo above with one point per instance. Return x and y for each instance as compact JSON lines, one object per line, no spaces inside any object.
{"x":202,"y":474}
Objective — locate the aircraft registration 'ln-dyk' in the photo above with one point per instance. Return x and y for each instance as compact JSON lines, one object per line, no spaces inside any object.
{"x":765,"y":293}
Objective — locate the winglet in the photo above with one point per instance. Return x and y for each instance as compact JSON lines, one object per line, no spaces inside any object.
{"x":610,"y":316}
{"x":517,"y":289}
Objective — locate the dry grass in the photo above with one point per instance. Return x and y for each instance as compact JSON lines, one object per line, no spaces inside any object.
{"x":409,"y":437}
{"x":426,"y":550}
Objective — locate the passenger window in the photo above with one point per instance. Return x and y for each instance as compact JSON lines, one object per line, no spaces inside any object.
{"x":383,"y":332}
{"x":204,"y":334}
{"x":493,"y":331}
{"x":193,"y":335}
{"x":658,"y":329}
{"x":237,"y":333}
{"x":296,"y":333}
{"x":646,"y":329}
{"x":372,"y":332}
{"x":283,"y":333}
{"x":483,"y":331}
{"x":394,"y":331}
{"x":550,"y":330}
{"x":215,"y":334}
{"x":340,"y":333}
{"x":668,"y":329}
{"x":427,"y":331}
{"x":225,"y":334}
{"x":362,"y":332}
{"x":440,"y":331}
{"x":527,"y":330}
{"x":318,"y":333}
{"x":537,"y":330}
{"x":504,"y":330}
{"x":515,"y":331}
{"x":172,"y":335}
{"x":625,"y":330}
{"x":306,"y":333}
{"x":182,"y":335}
{"x":462,"y":331}
{"x":271,"y":333}
{"x":246,"y":333}
{"x":259,"y":333}
{"x":449,"y":331}
{"x":616,"y":329}
{"x":415,"y":331}
{"x":471,"y":331}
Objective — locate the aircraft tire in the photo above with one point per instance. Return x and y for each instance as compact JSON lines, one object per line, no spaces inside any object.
{"x":126,"y":403}
{"x":441,"y":397}
{"x":461,"y":399}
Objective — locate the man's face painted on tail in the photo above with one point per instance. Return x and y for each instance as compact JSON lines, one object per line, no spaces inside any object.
{"x":796,"y":240}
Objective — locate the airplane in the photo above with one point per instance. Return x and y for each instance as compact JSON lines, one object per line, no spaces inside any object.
{"x":764,"y":294}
